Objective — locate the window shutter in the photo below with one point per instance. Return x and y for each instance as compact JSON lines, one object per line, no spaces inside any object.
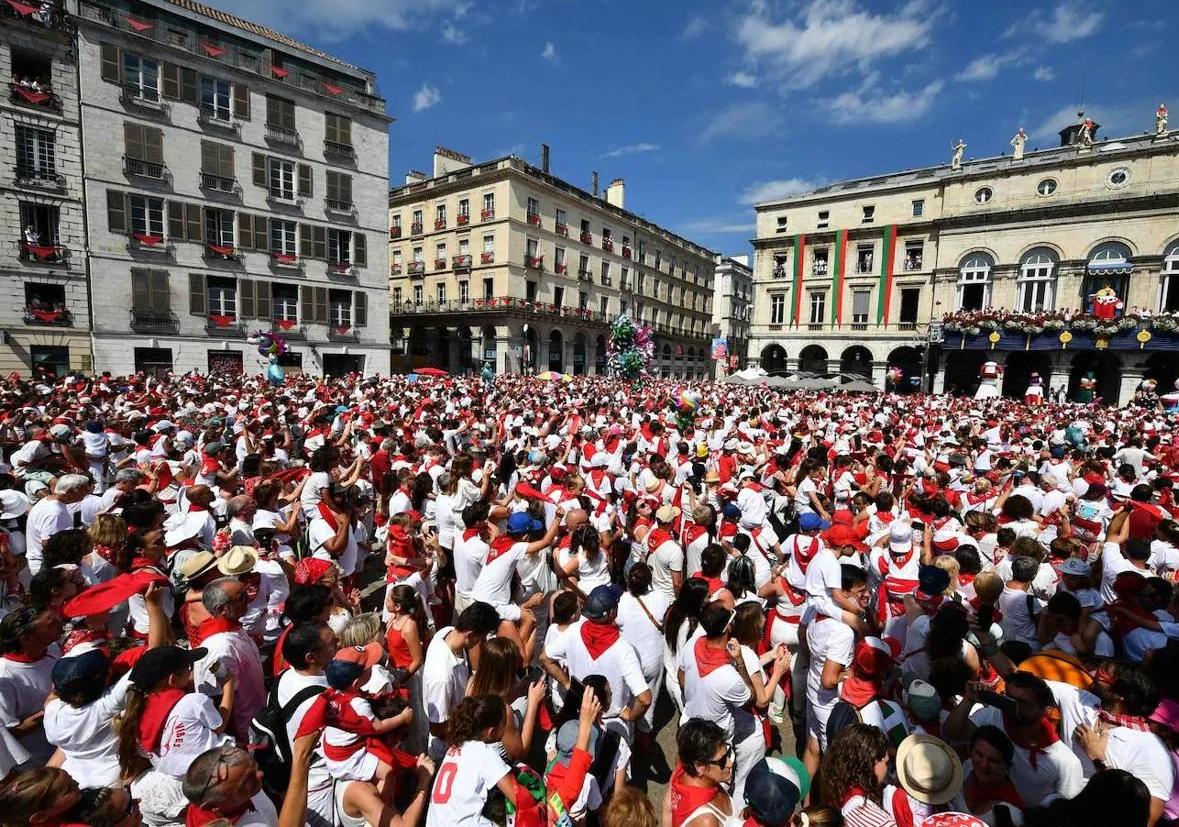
{"x":209,"y":156}
{"x":262,"y":300}
{"x":261,"y":237}
{"x":153,"y":144}
{"x":170,"y":81}
{"x":259,"y":169}
{"x":245,"y":231}
{"x":241,"y":101}
{"x":304,"y":181}
{"x":188,"y":86}
{"x":360,"y":309}
{"x":225,"y":162}
{"x":305,"y":241}
{"x":161,"y":300}
{"x":344,"y":129}
{"x":329,"y":127}
{"x":332,"y":186}
{"x":176,"y":220}
{"x":196,"y":294}
{"x":345,"y":188}
{"x":307,"y":300}
{"x":245,"y":292}
{"x":133,"y":137}
{"x":359,"y":250}
{"x":140,"y":289}
{"x":111,"y":64}
{"x":321,"y":305}
{"x":319,"y":241}
{"x":116,"y":211}
{"x":195,"y":227}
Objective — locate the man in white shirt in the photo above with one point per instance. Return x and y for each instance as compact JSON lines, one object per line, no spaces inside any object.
{"x":331,"y":534}
{"x":470,"y":549}
{"x":227,"y":643}
{"x":307,"y":648}
{"x":664,"y":554}
{"x":447,"y":669}
{"x":51,"y":514}
{"x":224,"y":784}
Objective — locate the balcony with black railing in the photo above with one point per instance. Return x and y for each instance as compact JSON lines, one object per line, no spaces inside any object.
{"x":149,"y":321}
{"x":286,"y":261}
{"x":45,"y":16}
{"x":463,"y":219}
{"x":40,"y":177}
{"x":145,"y":100}
{"x":562,"y":229}
{"x":34,"y":97}
{"x":394,"y":232}
{"x":283,"y":135}
{"x":42,"y":252}
{"x":218,"y":184}
{"x":39,"y":314}
{"x":342,"y":269}
{"x":223,"y":324}
{"x":338,"y":152}
{"x":486,"y":257}
{"x":152,"y":170}
{"x":534,"y":262}
{"x":337,"y":206}
{"x":220,"y":252}
{"x":587,"y":238}
{"x":395,"y":269}
{"x":416,"y":228}
{"x":461,"y":264}
{"x":416,"y":268}
{"x":487,"y":215}
{"x":217,"y":119}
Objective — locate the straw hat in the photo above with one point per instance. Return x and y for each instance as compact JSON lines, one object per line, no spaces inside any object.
{"x":928,"y":769}
{"x":238,"y":560}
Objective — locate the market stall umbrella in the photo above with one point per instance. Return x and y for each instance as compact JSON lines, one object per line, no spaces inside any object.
{"x":554,"y":376}
{"x":814,"y":383}
{"x":859,"y":386}
{"x":430,"y":372}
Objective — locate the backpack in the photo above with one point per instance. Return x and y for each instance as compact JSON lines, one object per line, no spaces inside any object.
{"x":268,"y":735}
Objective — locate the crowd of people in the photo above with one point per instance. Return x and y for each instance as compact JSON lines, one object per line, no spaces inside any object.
{"x":492,"y":601}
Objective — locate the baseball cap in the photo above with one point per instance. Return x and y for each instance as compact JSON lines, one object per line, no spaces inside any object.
{"x":873,"y":656}
{"x":731,"y":511}
{"x":900,"y":537}
{"x":843,"y":535}
{"x":521,"y":523}
{"x":1075,"y":566}
{"x":810,"y":521}
{"x":60,"y":431}
{"x":923,"y":700}
{"x":341,"y":674}
{"x":931,"y":581}
{"x":156,"y":664}
{"x":773,"y":791}
{"x":72,"y":670}
{"x":567,"y":740}
{"x":601,"y":602}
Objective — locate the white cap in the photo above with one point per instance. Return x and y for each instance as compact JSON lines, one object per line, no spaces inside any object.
{"x":900,"y":537}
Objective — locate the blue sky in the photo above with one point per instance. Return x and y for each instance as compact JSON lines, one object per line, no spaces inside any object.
{"x":706,"y":108}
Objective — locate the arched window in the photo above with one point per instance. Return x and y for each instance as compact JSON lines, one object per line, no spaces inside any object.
{"x":974,"y":281}
{"x":1169,"y":288}
{"x":1036,"y":285}
{"x":1109,"y":266}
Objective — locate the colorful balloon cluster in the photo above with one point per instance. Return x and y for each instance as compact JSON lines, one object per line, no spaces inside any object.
{"x":687,"y":401}
{"x":894,"y":375}
{"x":631,"y":347}
{"x":268,"y":344}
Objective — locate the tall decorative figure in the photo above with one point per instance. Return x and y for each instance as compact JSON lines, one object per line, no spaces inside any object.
{"x":1171,"y":400}
{"x":990,"y":377}
{"x":1018,"y":143}
{"x":1160,"y":121}
{"x":1085,"y":136}
{"x":1087,"y":388}
{"x":1034,"y":395}
{"x":956,"y":159}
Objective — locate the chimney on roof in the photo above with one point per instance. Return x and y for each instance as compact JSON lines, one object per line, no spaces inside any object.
{"x":1071,"y":134}
{"x":595,"y":183}
{"x":616,"y":193}
{"x":544,"y":158}
{"x":447,"y":161}
{"x":415,"y":177}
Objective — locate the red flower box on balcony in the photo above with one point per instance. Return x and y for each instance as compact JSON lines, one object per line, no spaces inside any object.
{"x":223,"y":250}
{"x":562,"y":269}
{"x":536,"y":262}
{"x":462,"y":262}
{"x":146,"y":240}
{"x":395,"y":269}
{"x":415,"y":229}
{"x":486,"y":258}
{"x":487,"y":215}
{"x":394,"y":232}
{"x":285,"y":259}
{"x":587,"y":238}
{"x":563,"y":229}
{"x":625,"y":251}
{"x":440,"y":224}
{"x":534,"y":219}
{"x":607,"y":245}
{"x":222,"y":320}
{"x":464,"y":219}
{"x":439,"y":264}
{"x":285,"y":324}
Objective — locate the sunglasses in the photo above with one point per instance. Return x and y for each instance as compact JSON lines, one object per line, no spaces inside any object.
{"x":723,"y":761}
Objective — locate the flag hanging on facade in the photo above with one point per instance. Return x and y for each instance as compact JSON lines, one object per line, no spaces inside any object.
{"x":838,"y":277}
{"x":799,"y":255}
{"x":884,"y":300}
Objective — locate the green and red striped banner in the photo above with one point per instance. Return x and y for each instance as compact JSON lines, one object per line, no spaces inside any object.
{"x":799,"y":256}
{"x":838,"y":277}
{"x":888,"y":250}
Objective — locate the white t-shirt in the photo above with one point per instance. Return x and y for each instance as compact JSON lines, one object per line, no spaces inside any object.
{"x":23,"y":690}
{"x":665,"y":560}
{"x":319,"y":782}
{"x":319,"y":532}
{"x":802,"y":496}
{"x":824,"y":574}
{"x":469,"y":556}
{"x":240,"y":655}
{"x":310,"y":497}
{"x":828,"y":640}
{"x":1057,"y":771}
{"x":464,"y":778}
{"x":618,"y":664}
{"x":1114,"y":563}
{"x":86,"y":737}
{"x":639,"y":631}
{"x":1017,"y":623}
{"x":444,"y":678}
{"x":45,"y":518}
{"x":188,"y":732}
{"x":714,"y":696}
{"x":494,"y":583}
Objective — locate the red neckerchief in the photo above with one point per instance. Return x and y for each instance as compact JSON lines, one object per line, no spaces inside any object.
{"x":156,"y":709}
{"x":803,"y":560}
{"x":1041,"y":738}
{"x":687,"y":798}
{"x":598,"y":637}
{"x":1134,"y":722}
{"x":715,"y":584}
{"x":104,"y":551}
{"x":499,"y":547}
{"x":709,"y":658}
{"x":193,"y":508}
{"x":214,"y":626}
{"x":858,"y":691}
{"x":657,"y":537}
{"x":976,"y":793}
{"x":198,"y":817}
{"x":327,"y":516}
{"x":144,"y":563}
{"x":19,"y":657}
{"x":694,"y":532}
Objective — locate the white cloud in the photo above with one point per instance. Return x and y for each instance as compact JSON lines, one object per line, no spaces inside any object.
{"x":550,"y":52}
{"x":1044,"y":73}
{"x":631,"y":149}
{"x":426,"y":97}
{"x":1068,"y":21}
{"x":719,"y":226}
{"x":776,"y":190}
{"x":986,"y":67}
{"x":742,"y":120}
{"x":695,"y":27}
{"x":745,"y":80}
{"x":829,"y":37}
{"x":871,"y":105}
{"x":334,"y":20}
{"x":453,"y":34}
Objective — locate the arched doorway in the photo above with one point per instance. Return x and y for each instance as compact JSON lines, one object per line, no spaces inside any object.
{"x":962,"y":371}
{"x":556,"y":351}
{"x":1018,"y":370}
{"x":812,"y":359}
{"x":579,"y":353}
{"x":417,"y":346}
{"x":1103,"y":366}
{"x":773,"y":359}
{"x":600,"y":356}
{"x":909,"y":361}
{"x":1163,"y":368}
{"x":488,"y":350}
{"x":531,"y":352}
{"x":440,"y":357}
{"x":856,"y":359}
{"x":464,"y":355}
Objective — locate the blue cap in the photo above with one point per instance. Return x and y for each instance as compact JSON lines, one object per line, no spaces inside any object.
{"x":522,"y":523}
{"x":731,"y":511}
{"x":71,"y":670}
{"x":341,"y":674}
{"x":810,"y":521}
{"x":773,"y":792}
{"x":601,"y":602}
